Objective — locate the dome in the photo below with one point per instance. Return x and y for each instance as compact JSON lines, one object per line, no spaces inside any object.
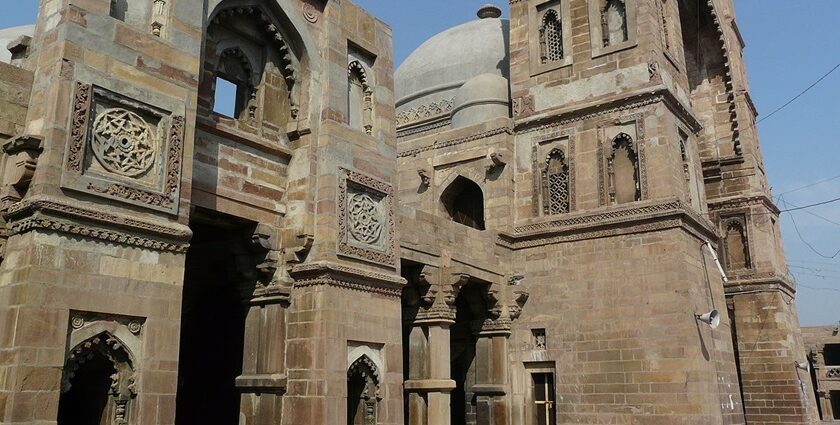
{"x":8,"y":35}
{"x":481,"y":99}
{"x":436,"y":69}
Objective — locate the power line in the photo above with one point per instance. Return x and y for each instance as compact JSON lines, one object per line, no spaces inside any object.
{"x":811,"y":247}
{"x":784,"y":201}
{"x":811,"y":205}
{"x":816,"y":288}
{"x":799,"y":95}
{"x":808,"y":185}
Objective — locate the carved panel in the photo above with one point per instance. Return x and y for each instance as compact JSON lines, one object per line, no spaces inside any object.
{"x":366,"y":218}
{"x":124,"y":149}
{"x":544,"y":145}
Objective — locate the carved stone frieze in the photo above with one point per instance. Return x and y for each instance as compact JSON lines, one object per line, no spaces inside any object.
{"x":66,"y":216}
{"x":454,"y":142}
{"x":622,"y":219}
{"x":425,"y":112}
{"x":131,"y":152}
{"x":366,"y":218}
{"x":331,"y":274}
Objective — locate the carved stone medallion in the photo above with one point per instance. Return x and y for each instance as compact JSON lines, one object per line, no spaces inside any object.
{"x":123,"y":142}
{"x":365,"y":218}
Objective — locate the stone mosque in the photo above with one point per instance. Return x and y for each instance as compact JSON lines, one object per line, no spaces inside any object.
{"x":521,"y":225}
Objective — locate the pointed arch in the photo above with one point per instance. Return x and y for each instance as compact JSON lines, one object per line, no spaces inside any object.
{"x":363,"y":392}
{"x":359,"y":98}
{"x":736,"y":246}
{"x":463,"y":200}
{"x":98,"y":383}
{"x":551,"y":37}
{"x":623,"y":171}
{"x":556,"y":189}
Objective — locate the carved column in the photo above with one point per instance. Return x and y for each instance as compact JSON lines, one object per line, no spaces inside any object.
{"x":429,"y":385}
{"x":491,"y":389}
{"x":263,"y":379}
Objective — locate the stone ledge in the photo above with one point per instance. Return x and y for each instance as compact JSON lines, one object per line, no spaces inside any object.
{"x":337,"y":275}
{"x":748,"y":283}
{"x":636,"y":217}
{"x":489,"y":389}
{"x":262,"y":383}
{"x":429,"y":385}
{"x":71,"y":217}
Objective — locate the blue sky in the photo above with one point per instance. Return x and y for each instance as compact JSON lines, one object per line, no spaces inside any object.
{"x":789,"y":45}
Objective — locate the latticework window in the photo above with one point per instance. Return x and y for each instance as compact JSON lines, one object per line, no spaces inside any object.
{"x":556,"y":183}
{"x":551,"y":38}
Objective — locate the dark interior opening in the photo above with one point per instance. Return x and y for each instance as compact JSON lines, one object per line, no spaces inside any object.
{"x":831,"y":354}
{"x":213,"y":321}
{"x":87,"y":400}
{"x":464,"y":201}
{"x":835,"y":403}
{"x":471,"y":310}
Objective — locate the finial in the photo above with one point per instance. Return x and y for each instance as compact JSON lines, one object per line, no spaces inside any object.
{"x":489,"y":11}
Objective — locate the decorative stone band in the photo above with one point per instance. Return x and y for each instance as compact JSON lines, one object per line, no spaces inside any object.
{"x":341,"y":276}
{"x":425,"y":113}
{"x":638,"y":217}
{"x":769,"y":281}
{"x":70,"y":217}
{"x":742,"y":202}
{"x":832,"y":372}
{"x":457,"y":141}
{"x":648,"y":95}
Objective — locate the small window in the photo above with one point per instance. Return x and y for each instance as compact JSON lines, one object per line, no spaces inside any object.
{"x":551,"y":38}
{"x":225,"y":99}
{"x":539,"y":339}
{"x":556,"y":183}
{"x":543,"y":398}
{"x":831,"y":354}
{"x":464,"y":201}
{"x":119,"y":8}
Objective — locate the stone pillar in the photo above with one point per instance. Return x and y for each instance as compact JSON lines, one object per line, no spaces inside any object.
{"x":429,"y":385}
{"x":429,"y":396}
{"x":491,"y":388}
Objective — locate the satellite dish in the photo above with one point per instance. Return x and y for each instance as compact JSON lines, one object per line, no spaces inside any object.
{"x":711,"y":318}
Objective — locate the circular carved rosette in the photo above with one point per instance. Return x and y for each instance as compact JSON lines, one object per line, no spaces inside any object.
{"x":77,"y":322}
{"x":365,"y":219}
{"x":134,"y":327}
{"x":123,"y":142}
{"x":309,"y":13}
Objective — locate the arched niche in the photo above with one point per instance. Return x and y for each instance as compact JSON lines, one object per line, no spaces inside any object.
{"x":359,"y":97}
{"x":285,"y":67}
{"x":363,"y":392}
{"x":623,"y":170}
{"x":99,"y":382}
{"x":463,"y":201}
